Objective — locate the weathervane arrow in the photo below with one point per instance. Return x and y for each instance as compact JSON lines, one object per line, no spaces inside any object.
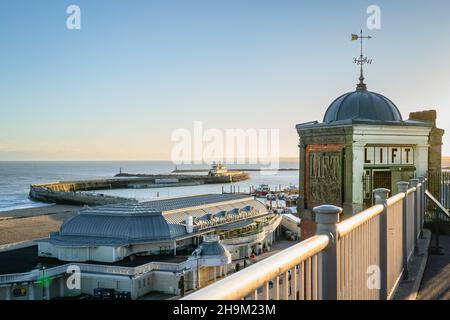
{"x":362,"y":60}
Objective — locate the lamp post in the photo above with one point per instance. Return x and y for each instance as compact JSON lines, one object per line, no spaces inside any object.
{"x":43,"y":284}
{"x":198,"y":274}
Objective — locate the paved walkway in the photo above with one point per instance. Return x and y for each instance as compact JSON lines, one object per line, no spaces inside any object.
{"x":277,"y":246}
{"x":436,"y":279}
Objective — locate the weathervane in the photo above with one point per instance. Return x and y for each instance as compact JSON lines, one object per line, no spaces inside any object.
{"x":361,"y":61}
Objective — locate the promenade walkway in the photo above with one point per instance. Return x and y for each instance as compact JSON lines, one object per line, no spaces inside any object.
{"x":436,"y":279}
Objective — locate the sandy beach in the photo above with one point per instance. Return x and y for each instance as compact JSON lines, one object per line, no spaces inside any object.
{"x":32,"y":223}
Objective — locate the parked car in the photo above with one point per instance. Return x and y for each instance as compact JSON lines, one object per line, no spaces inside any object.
{"x":104,"y":293}
{"x":281,"y":196}
{"x":271,"y":196}
{"x":123,"y":295}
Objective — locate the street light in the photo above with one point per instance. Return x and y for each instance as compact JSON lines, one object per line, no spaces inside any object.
{"x":198,"y":273}
{"x":43,"y":284}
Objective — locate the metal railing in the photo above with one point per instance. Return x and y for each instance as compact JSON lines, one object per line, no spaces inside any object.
{"x":93,"y":268}
{"x":362,"y":257}
{"x":277,"y":277}
{"x":439,"y":186}
{"x":359,"y":240}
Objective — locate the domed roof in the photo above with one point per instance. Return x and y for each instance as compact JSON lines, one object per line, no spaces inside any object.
{"x":362,"y":105}
{"x":158,"y":220}
{"x":212,"y":246}
{"x":212,"y":249}
{"x":120,"y":223}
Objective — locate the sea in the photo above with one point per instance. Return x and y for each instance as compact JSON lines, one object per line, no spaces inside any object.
{"x":17,"y":176}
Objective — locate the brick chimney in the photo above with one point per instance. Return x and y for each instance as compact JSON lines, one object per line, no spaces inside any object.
{"x":426,"y":115}
{"x":435,"y":150}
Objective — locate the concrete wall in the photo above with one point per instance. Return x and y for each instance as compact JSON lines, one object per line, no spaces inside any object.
{"x":100,"y":253}
{"x":73,"y":254}
{"x":161,"y":281}
{"x":89,"y":282}
{"x":46,"y":249}
{"x":166,"y":282}
{"x":35,"y":291}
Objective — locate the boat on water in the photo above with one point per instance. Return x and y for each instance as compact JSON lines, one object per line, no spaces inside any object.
{"x":217,"y":170}
{"x":262,"y":191}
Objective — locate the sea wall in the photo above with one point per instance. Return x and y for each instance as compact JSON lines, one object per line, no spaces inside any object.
{"x":48,"y":195}
{"x":70,"y":192}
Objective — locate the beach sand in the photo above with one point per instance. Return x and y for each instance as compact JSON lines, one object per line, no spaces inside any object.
{"x":33,"y":223}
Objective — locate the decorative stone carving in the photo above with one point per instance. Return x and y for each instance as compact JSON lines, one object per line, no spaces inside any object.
{"x":325,"y":177}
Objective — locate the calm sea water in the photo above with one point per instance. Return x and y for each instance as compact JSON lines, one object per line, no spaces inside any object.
{"x":16,"y":177}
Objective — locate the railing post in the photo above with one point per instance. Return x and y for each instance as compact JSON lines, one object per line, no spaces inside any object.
{"x":403,"y":187}
{"x":415,"y":183}
{"x":327,"y":216}
{"x":380,"y":196}
{"x":422,"y":204}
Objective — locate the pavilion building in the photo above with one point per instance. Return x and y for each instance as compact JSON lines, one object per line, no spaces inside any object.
{"x":134,"y":249}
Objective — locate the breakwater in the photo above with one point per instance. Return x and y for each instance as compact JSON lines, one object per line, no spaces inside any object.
{"x":75,"y":192}
{"x":236,"y":170}
{"x":179,"y":178}
{"x":47,"y":194}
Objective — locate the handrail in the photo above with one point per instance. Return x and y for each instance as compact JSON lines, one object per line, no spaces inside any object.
{"x":394,"y":199}
{"x":346,"y":226}
{"x":411,"y":190}
{"x":246,"y":281}
{"x":84,"y":267}
{"x":375,"y":236}
{"x":437,"y":203}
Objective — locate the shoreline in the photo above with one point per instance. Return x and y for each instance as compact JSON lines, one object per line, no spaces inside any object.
{"x":33,"y":223}
{"x":49,"y":209}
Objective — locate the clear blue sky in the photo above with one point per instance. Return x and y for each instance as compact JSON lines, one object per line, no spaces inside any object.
{"x":137,"y":70}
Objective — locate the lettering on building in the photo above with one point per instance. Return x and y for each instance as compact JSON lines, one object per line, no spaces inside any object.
{"x":395,"y":155}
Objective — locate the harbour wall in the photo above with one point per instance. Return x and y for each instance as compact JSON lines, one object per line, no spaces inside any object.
{"x":74,"y":192}
{"x":78,"y":198}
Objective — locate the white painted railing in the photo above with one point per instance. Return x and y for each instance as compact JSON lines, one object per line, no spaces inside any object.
{"x":394,"y":240}
{"x":359,"y":243}
{"x":91,"y":268}
{"x":267,"y":279}
{"x":363,"y":257}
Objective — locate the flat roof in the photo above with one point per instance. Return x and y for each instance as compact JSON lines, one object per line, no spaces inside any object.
{"x":26,"y":259}
{"x":351,"y":122}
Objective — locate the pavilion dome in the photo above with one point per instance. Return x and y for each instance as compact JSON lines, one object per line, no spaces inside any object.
{"x":212,"y":246}
{"x":362,"y":105}
{"x":117,"y":223}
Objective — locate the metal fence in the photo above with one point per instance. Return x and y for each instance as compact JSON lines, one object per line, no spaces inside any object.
{"x":362,"y":257}
{"x":92,"y":268}
{"x":439,"y":186}
{"x":291,"y":274}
